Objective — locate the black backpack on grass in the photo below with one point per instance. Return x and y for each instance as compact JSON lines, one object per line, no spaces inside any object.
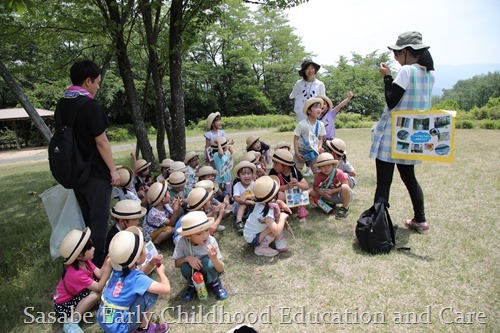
{"x":65,"y":160}
{"x":374,"y":230}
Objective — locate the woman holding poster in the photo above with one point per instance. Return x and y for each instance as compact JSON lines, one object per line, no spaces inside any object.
{"x":410,"y":90}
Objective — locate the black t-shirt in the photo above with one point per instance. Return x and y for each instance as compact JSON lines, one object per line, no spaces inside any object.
{"x":91,"y":121}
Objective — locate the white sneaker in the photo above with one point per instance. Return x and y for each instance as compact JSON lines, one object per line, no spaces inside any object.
{"x":308,"y":172}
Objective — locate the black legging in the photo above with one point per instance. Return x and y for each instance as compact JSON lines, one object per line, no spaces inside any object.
{"x":385,"y":172}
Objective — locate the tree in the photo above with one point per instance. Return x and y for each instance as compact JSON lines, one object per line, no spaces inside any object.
{"x":475,"y":91}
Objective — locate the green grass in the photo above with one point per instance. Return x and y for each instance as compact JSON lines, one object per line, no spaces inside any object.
{"x":324,"y":272}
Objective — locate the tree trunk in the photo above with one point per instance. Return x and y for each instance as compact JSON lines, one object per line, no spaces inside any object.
{"x":21,"y":96}
{"x":177,"y":142}
{"x":128,"y":79}
{"x":154,"y":69}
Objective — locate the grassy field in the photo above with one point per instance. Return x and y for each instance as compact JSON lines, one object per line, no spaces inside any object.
{"x":448,"y":282}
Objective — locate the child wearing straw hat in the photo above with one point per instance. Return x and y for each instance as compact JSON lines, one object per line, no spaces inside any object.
{"x":337,"y":148}
{"x":223,"y":160}
{"x":165,"y":169}
{"x":242,"y":192}
{"x":329,"y":113}
{"x":177,"y":187}
{"x":255,"y":158}
{"x":214,"y":125}
{"x":289,"y":177}
{"x":142,"y":171}
{"x":254,"y":144}
{"x":130,"y":294}
{"x":308,"y":136}
{"x":126,"y":213}
{"x":125,"y":190}
{"x":262,"y":228}
{"x":77,"y":291}
{"x":192,"y":161}
{"x":332,"y":185}
{"x":197,"y":250}
{"x":208,"y":173}
{"x":161,"y":218}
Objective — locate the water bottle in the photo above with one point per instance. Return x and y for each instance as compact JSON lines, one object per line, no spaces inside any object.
{"x":199,"y":285}
{"x":228,"y":189}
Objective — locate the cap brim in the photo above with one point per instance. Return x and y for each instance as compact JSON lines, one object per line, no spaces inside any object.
{"x":127,"y":216}
{"x":200,"y":228}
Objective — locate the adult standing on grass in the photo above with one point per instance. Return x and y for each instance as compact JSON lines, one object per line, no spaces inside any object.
{"x":89,"y":130}
{"x":307,"y":87}
{"x":410,"y":90}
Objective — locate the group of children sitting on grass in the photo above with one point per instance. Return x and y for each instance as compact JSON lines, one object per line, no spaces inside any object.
{"x":187,"y":203}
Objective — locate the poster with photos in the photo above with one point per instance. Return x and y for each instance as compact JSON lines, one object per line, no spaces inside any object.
{"x":423,"y":135}
{"x":227,"y":166}
{"x":296,"y":197}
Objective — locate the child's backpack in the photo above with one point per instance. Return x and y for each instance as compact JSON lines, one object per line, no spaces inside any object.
{"x":375,"y":231}
{"x":65,"y":160}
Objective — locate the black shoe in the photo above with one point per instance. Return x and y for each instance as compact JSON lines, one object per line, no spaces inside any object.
{"x":189,"y":293}
{"x":239,"y":227}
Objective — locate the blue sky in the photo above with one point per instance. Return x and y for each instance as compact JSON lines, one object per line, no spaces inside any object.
{"x":458,"y":31}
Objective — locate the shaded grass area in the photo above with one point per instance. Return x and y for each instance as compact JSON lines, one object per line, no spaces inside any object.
{"x":448,"y":282}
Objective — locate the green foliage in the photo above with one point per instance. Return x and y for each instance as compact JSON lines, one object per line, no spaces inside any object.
{"x":449,"y":104}
{"x":464,"y":124}
{"x":490,"y":124}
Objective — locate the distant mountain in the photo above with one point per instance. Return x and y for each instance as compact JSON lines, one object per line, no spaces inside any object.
{"x":448,"y":75}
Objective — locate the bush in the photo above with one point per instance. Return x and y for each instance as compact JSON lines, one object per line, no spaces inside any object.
{"x":490,"y":124}
{"x":464,"y":124}
{"x":118,"y":134}
{"x":287,"y":128}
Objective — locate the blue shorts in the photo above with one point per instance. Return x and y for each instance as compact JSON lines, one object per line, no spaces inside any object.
{"x":255,"y":242}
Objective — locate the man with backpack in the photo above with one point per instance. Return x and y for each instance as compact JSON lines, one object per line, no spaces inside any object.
{"x":84,"y":114}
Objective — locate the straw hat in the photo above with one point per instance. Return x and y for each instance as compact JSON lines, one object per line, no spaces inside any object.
{"x":175,"y":179}
{"x":190,"y":156}
{"x":178,"y":166}
{"x":251,"y":156}
{"x":73,"y":244}
{"x":275,"y":178}
{"x":327,"y":100}
{"x":306,"y":64}
{"x":244,"y":164}
{"x":310,"y":102}
{"x":265,"y":189}
{"x":411,"y":39}
{"x":325,"y":159}
{"x":283,"y":144}
{"x":220,"y":139}
{"x":251,"y":140}
{"x":283,"y":156}
{"x":125,"y":248}
{"x":166,"y":163}
{"x":197,"y":198}
{"x":126,"y":175}
{"x":207,"y":185}
{"x":337,"y":145}
{"x":128,"y":210}
{"x":194,"y":222}
{"x":211,"y":117}
{"x":157,"y":192}
{"x":205,"y":171}
{"x":141,"y":165}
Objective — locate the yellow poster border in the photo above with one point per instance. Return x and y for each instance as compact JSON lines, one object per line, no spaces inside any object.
{"x":420,"y":157}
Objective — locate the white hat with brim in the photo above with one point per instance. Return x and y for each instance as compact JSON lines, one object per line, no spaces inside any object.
{"x":194,"y":222}
{"x":166,"y":163}
{"x":211,"y":117}
{"x":310,"y":102}
{"x":251,"y":156}
{"x":265,"y":189}
{"x":411,"y":39}
{"x":205,"y":171}
{"x":337,"y":145}
{"x":125,"y":248}
{"x":283,"y":156}
{"x":325,"y":159}
{"x":190,"y":156}
{"x":178,"y":166}
{"x":177,"y":178}
{"x":327,"y":100}
{"x":220,"y":139}
{"x":244,"y":164}
{"x":207,"y":185}
{"x":141,"y":165}
{"x":126,"y":175}
{"x":157,"y":192}
{"x":197,"y":198}
{"x":128,"y":210}
{"x":72,"y":245}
